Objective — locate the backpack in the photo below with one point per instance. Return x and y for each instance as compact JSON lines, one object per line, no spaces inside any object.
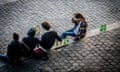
{"x":39,"y":53}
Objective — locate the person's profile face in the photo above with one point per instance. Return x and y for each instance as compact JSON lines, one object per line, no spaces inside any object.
{"x":75,"y":20}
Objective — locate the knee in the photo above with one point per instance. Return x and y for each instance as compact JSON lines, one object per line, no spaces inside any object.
{"x":64,"y":33}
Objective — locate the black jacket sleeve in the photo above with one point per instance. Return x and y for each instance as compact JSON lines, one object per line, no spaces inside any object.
{"x":58,"y":37}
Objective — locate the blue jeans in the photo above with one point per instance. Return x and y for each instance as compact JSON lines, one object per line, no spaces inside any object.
{"x":68,"y":33}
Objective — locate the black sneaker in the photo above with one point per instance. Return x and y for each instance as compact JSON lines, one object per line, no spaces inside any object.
{"x":76,"y":39}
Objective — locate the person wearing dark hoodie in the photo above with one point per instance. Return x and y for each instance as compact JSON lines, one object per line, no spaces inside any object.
{"x":30,"y":42}
{"x":14,"y":51}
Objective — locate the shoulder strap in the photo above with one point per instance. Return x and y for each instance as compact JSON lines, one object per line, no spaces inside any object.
{"x":39,"y":47}
{"x":26,"y":45}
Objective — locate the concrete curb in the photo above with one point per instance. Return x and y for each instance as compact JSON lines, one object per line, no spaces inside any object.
{"x":97,"y":30}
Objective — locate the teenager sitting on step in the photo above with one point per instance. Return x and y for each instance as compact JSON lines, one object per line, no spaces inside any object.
{"x":14,"y":51}
{"x":79,"y":29}
{"x":30,"y":42}
{"x":48,"y":38}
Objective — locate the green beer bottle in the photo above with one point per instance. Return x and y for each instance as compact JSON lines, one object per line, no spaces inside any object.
{"x":103,"y":28}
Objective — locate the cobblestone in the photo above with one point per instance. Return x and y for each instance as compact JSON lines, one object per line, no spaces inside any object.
{"x":95,"y":54}
{"x":24,"y":14}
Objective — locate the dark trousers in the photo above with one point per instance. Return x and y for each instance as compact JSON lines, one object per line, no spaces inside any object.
{"x":4,"y":58}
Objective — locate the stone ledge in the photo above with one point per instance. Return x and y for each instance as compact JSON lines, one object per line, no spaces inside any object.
{"x":97,"y":30}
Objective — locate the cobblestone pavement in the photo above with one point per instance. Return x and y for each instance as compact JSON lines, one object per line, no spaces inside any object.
{"x":19,"y":16}
{"x":99,"y":53}
{"x":6,"y":1}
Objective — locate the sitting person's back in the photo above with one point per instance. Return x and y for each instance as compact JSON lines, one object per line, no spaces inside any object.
{"x":31,"y":41}
{"x":14,"y":50}
{"x":48,"y":39}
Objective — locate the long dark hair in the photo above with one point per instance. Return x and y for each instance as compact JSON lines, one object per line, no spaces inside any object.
{"x":82,"y":18}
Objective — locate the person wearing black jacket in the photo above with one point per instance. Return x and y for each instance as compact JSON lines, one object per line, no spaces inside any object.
{"x":30,"y":42}
{"x":48,"y":38}
{"x":14,"y":51}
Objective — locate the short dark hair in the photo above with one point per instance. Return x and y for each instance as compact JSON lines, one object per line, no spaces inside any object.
{"x":15,"y":36}
{"x":78,"y":15}
{"x":46,"y":25}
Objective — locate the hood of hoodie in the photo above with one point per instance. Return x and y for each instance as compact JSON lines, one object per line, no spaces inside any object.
{"x":31,"y":32}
